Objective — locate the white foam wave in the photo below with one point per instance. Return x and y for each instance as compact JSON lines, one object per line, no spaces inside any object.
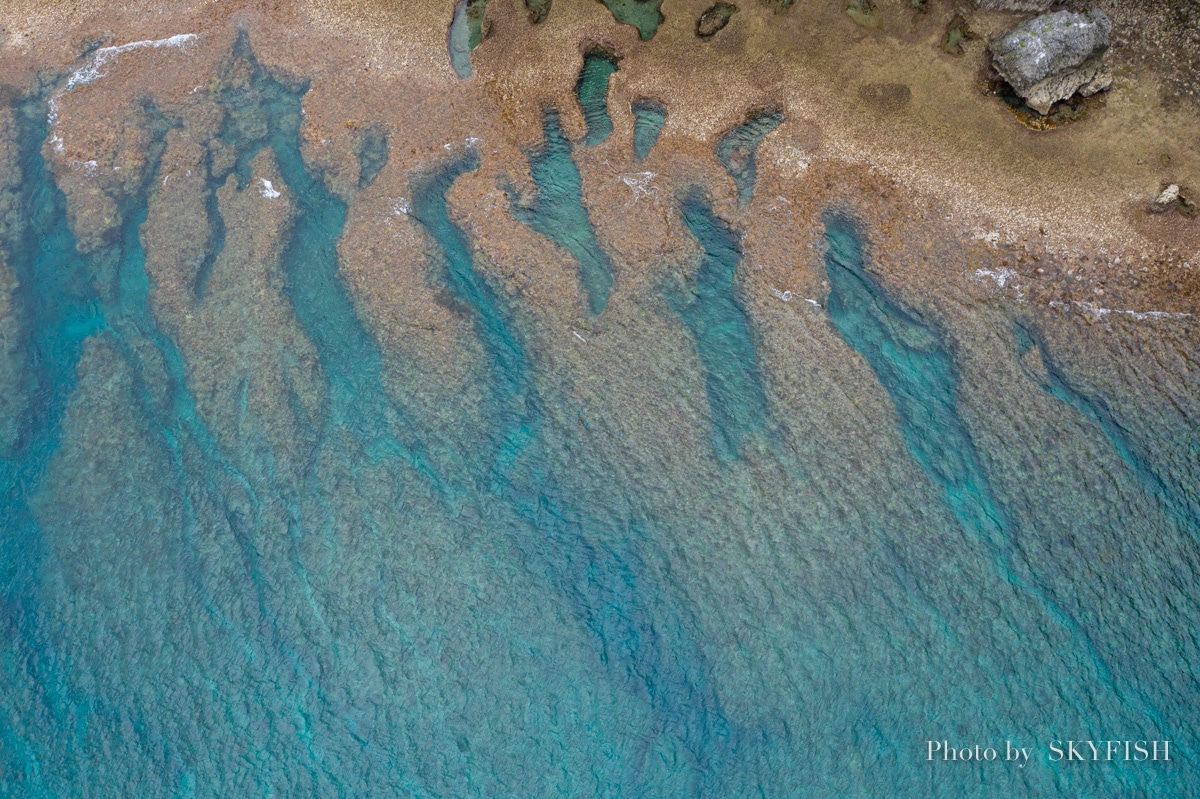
{"x":639,"y":183}
{"x":1141,"y":316}
{"x":93,"y":70}
{"x":1002,"y":277}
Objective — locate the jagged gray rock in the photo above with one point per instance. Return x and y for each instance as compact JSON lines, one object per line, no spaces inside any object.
{"x":1049,"y":58}
{"x":1013,"y":5}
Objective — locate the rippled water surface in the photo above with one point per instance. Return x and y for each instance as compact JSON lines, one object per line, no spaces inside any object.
{"x":241,"y":557}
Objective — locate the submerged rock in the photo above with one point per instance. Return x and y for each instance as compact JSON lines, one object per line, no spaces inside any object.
{"x":649,"y":116}
{"x":1051,"y":57}
{"x":641,"y":14}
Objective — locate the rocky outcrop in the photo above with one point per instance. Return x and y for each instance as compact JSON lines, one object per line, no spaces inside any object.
{"x":1051,"y":57}
{"x":1175,"y":197}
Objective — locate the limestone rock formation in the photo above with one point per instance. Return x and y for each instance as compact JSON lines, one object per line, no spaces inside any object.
{"x":1049,"y":58}
{"x":1167,"y":199}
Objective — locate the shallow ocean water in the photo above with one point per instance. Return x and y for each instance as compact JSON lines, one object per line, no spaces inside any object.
{"x":225,"y":579}
{"x":592,"y":91}
{"x":649,"y":117}
{"x":558,"y":211}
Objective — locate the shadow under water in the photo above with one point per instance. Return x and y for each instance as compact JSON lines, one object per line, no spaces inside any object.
{"x":913,"y":365}
{"x":63,"y":310}
{"x":594,"y":563}
{"x":372,"y":152}
{"x":226,"y":574}
{"x":1181,"y":506}
{"x":722,"y":332}
{"x":736,"y":150}
{"x":265,"y":113}
{"x":559,"y":213}
{"x":649,"y":117}
{"x":592,"y":91}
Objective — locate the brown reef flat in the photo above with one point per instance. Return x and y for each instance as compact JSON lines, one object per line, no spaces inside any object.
{"x":878,"y":118}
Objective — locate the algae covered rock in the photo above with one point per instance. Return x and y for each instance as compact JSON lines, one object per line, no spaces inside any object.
{"x":1049,"y":58}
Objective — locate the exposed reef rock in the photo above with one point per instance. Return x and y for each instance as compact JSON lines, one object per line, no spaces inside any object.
{"x":1177,"y":198}
{"x":1051,"y":57}
{"x":1167,"y":199}
{"x":714,"y":19}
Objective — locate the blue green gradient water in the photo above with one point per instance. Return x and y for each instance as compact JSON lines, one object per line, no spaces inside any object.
{"x":649,"y":117}
{"x":736,"y":150}
{"x":592,"y":91}
{"x":559,"y":212}
{"x":721,"y":329}
{"x":641,"y":14}
{"x":840,"y":552}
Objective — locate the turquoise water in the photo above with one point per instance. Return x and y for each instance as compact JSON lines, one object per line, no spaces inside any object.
{"x":641,"y":14}
{"x":914,"y":366}
{"x":737,"y":148}
{"x":465,"y":34}
{"x":63,"y":310}
{"x":559,"y":213}
{"x":649,"y":117}
{"x":284,"y":561}
{"x":592,"y":91}
{"x":1180,"y":501}
{"x":722,"y":330}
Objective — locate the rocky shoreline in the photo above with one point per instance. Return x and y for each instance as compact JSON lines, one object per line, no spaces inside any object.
{"x":886,"y":103}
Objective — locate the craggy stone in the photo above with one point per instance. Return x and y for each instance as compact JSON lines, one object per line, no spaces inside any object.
{"x":1166,"y":200}
{"x":1175,"y":197}
{"x":1050,"y":57}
